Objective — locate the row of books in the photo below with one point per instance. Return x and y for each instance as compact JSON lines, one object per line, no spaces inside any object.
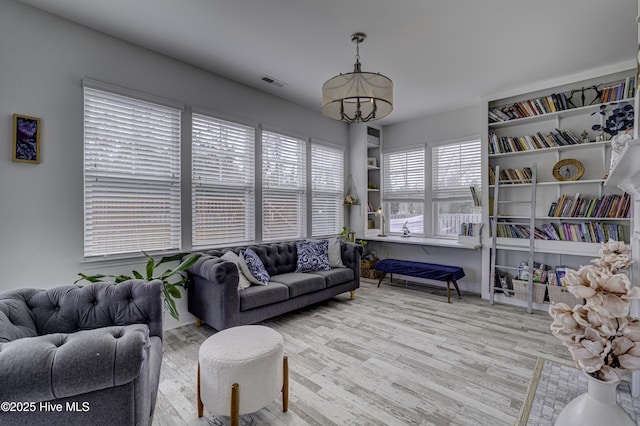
{"x":508,"y":176}
{"x":619,"y":91}
{"x":469,"y":229}
{"x":529,"y":108}
{"x":587,"y":232}
{"x":558,"y":102}
{"x":541,"y":273}
{"x":609,"y":205}
{"x":498,"y":145}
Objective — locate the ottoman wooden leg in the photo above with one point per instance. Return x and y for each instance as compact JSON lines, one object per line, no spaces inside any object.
{"x":235,"y":405}
{"x":448,"y":291}
{"x":384,"y":274}
{"x":285,"y":384}
{"x":200,"y":405}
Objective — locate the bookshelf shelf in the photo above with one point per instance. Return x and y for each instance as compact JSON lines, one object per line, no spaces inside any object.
{"x":552,"y":149}
{"x":527,"y":141}
{"x":573,"y":112}
{"x":365,"y":143}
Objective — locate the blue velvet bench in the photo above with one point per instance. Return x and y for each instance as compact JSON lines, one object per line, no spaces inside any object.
{"x":422,"y":270}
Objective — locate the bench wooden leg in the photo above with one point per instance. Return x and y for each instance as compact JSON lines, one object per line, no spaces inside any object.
{"x":448,"y":291}
{"x":384,"y":274}
{"x":457,"y":289}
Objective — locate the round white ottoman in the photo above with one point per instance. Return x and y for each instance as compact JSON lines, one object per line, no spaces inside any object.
{"x":241,"y":370}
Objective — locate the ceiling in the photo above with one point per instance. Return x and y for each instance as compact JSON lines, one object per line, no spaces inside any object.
{"x":441,"y":55}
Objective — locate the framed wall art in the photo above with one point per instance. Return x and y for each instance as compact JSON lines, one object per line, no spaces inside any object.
{"x":26,"y":139}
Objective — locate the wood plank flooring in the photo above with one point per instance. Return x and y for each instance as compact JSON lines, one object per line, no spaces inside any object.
{"x":395,"y":355}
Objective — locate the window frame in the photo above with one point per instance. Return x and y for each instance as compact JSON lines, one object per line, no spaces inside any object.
{"x":405,"y":195}
{"x":333,"y":178}
{"x":115,"y":158}
{"x":282,"y":192}
{"x":241,"y":187}
{"x":461,"y":193}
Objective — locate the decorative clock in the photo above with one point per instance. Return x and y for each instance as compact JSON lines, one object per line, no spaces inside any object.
{"x":568,"y":169}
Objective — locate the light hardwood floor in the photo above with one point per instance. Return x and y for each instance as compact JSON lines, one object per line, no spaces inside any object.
{"x":392,"y":356}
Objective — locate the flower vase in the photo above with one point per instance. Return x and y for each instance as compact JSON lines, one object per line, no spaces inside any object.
{"x":598,"y":406}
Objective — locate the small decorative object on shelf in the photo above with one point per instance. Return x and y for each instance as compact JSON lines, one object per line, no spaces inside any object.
{"x":584,"y":137}
{"x":405,"y":230}
{"x":619,"y":120}
{"x":372,"y":162}
{"x":601,"y":335}
{"x":568,"y":169}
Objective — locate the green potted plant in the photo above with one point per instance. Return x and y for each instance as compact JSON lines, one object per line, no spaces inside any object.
{"x":349,"y":235}
{"x":170,"y":291}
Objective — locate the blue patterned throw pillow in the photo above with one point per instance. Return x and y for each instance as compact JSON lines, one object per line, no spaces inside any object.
{"x":313,"y":256}
{"x":253,"y":268}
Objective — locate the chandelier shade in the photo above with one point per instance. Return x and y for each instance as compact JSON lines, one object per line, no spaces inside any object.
{"x":357,"y":96}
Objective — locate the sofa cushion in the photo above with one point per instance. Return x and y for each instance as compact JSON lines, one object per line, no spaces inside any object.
{"x":335,"y":253}
{"x":243,"y":281}
{"x":300,"y":283}
{"x":335,"y":276}
{"x":253,"y":267}
{"x":261,"y":295}
{"x":313,"y":256}
{"x":15,"y":318}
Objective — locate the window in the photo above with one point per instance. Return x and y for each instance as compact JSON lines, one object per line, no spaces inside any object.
{"x":284,"y":200}
{"x":404,"y":190}
{"x":327,"y":186}
{"x":455,"y":168}
{"x":131,"y":174}
{"x":223,"y":182}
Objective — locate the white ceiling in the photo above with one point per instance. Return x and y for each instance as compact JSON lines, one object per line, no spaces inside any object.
{"x":441,"y":54}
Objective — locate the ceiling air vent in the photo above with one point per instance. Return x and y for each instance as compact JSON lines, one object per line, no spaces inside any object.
{"x":273,"y":81}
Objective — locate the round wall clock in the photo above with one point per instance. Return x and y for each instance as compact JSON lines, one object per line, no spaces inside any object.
{"x":568,"y":169}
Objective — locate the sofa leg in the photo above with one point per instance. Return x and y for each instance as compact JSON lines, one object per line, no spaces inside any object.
{"x":198,"y":322}
{"x":353,"y":294}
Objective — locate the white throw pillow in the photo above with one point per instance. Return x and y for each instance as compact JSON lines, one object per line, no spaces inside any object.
{"x":243,"y":282}
{"x":335,"y":253}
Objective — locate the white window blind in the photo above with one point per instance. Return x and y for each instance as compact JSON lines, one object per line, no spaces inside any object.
{"x":327,"y":186}
{"x":223,"y":181}
{"x":404,"y":190}
{"x":284,"y":168}
{"x":131,"y":175}
{"x":404,"y":175}
{"x":455,"y":168}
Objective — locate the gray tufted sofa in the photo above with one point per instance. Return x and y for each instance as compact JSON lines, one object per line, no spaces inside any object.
{"x":214,"y":298}
{"x":95,"y":352}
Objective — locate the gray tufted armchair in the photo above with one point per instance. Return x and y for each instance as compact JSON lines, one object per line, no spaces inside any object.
{"x":81,"y":355}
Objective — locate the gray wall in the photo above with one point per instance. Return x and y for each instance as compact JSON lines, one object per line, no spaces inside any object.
{"x":42,"y":61}
{"x":432,"y":130}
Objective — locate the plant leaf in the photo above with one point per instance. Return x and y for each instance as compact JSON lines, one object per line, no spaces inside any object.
{"x":173,"y":291}
{"x":121,"y":278}
{"x":138,"y":275}
{"x":173,"y":258}
{"x":170,"y":304}
{"x":150,"y":268}
{"x":91,"y":278}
